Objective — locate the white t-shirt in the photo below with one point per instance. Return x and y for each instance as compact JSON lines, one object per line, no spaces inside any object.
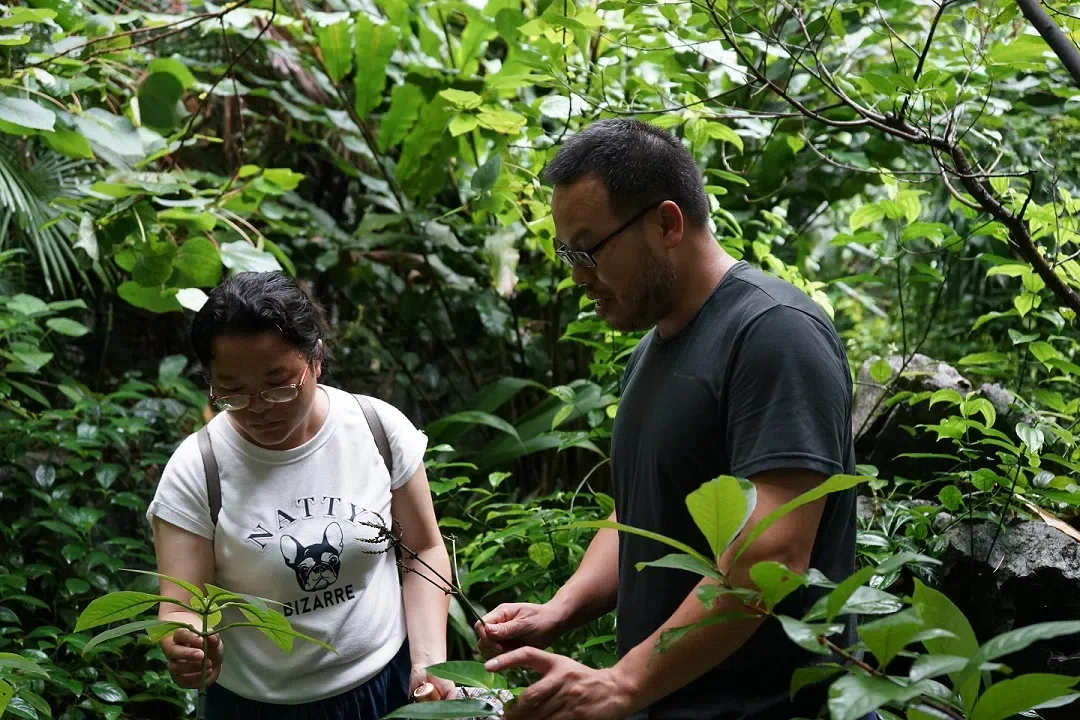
{"x":288,"y":530}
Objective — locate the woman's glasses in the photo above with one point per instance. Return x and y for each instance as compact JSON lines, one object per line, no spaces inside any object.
{"x":239,"y":401}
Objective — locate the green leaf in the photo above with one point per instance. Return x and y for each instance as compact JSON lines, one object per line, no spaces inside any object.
{"x":242,"y":256}
{"x":374,"y":44}
{"x":468,"y":674}
{"x":27,"y":16}
{"x":109,"y":692}
{"x":806,"y":635}
{"x":443,"y":710}
{"x":776,"y":581}
{"x":946,"y":395}
{"x":608,"y":525}
{"x":153,"y":264}
{"x":127,"y":629}
{"x":1013,"y":641}
{"x":889,"y":635}
{"x":173,"y":67}
{"x":720,"y":509}
{"x":474,"y":417}
{"x":839,"y":597}
{"x":866,"y":215}
{"x":68,"y":327}
{"x":192,"y":221}
{"x":115,"y":606}
{"x":880,"y":83}
{"x":159,"y":101}
{"x":26,"y":113}
{"x":6,"y":691}
{"x":897,"y":561}
{"x":940,"y":612}
{"x":1043,"y":351}
{"x":542,"y":554}
{"x":836,"y":483}
{"x":668,"y":638}
{"x":853,"y":697}
{"x":983,"y":358}
{"x":18,"y":662}
{"x":1009,"y":270}
{"x":463,"y":123}
{"x":812,"y":675}
{"x":462,"y":99}
{"x":485,"y":176}
{"x":881,"y":371}
{"x":677,"y":561}
{"x":27,"y":304}
{"x":718,"y":131}
{"x":336,"y":44}
{"x":193,"y":589}
{"x":1011,"y":697}
{"x":148,"y":298}
{"x":951,"y":498}
{"x":68,"y":142}
{"x":1031,"y":437}
{"x":199,"y":261}
{"x":505,"y":122}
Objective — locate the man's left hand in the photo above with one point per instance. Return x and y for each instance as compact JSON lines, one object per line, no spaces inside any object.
{"x":567,"y":690}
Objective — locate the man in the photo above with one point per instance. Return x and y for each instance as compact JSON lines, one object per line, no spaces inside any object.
{"x":741,"y":374}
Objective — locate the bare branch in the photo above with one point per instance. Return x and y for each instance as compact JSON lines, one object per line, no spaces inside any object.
{"x":1067,"y":53}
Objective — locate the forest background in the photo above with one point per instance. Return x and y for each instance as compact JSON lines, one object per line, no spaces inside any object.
{"x":910,"y":164}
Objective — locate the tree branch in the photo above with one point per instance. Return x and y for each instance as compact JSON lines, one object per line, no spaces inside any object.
{"x":1067,"y":53}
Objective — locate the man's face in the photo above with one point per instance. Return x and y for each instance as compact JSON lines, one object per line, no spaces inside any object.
{"x":633,"y":282}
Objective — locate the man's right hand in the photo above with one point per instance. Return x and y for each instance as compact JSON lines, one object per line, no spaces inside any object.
{"x":515,"y":625}
{"x":183,"y":650}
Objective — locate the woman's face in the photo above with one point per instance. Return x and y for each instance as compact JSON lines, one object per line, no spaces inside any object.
{"x":252,"y":364}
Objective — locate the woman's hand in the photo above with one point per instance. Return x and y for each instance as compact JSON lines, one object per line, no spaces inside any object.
{"x":183,"y":650}
{"x":437,"y":688}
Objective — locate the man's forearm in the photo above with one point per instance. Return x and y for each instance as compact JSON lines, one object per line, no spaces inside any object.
{"x":592,"y":590}
{"x":650,"y":676}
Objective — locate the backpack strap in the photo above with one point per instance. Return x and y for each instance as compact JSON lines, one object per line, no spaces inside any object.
{"x":377,"y":429}
{"x":213,"y":479}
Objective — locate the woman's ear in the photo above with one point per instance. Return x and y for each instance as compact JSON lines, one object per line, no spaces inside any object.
{"x":317,"y":362}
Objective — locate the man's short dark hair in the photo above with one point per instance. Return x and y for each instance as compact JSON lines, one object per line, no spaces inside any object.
{"x":638,"y":163}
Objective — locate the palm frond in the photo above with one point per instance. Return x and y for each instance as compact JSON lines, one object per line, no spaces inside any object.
{"x":28,"y":219}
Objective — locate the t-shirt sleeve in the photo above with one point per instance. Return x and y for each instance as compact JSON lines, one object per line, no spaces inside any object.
{"x":789,"y":397}
{"x":407,"y":443}
{"x":180,"y":498}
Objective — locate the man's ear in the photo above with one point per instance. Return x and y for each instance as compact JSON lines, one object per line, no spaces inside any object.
{"x":672,"y":224}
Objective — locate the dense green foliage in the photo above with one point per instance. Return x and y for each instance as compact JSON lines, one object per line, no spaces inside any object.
{"x":910,"y":165}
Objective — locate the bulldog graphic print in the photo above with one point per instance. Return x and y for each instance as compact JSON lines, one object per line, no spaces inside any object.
{"x":316,"y":565}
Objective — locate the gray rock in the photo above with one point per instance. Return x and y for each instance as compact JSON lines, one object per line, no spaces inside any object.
{"x":1031,"y":574}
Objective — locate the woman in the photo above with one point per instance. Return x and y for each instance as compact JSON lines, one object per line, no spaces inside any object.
{"x":300,"y":472}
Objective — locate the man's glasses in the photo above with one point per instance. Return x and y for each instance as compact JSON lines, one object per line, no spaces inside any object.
{"x":239,"y":401}
{"x":584,"y":258}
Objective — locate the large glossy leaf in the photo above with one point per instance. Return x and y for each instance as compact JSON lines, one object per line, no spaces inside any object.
{"x":116,"y":606}
{"x":336,"y":45}
{"x":721,"y":508}
{"x":839,"y":597}
{"x":1010,"y":697}
{"x":24,"y":665}
{"x":938,"y":611}
{"x":807,"y":635}
{"x":889,"y":635}
{"x":668,"y":638}
{"x":199,"y":262}
{"x":242,"y":256}
{"x":474,"y":417}
{"x":161,"y":626}
{"x":608,"y":525}
{"x":776,"y":581}
{"x":26,"y":113}
{"x":468,"y":674}
{"x":682,"y":561}
{"x":443,"y":710}
{"x":853,"y":697}
{"x":6,"y":693}
{"x":193,"y":589}
{"x":374,"y":43}
{"x":1015,"y":641}
{"x":836,"y":483}
{"x":806,"y":676}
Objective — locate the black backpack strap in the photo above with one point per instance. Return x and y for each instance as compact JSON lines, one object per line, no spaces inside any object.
{"x":378,"y":431}
{"x":213,"y":479}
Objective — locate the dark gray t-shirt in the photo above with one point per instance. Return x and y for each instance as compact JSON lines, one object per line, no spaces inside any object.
{"x":757,"y":380}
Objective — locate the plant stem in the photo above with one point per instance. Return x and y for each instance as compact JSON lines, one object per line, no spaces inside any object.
{"x":201,"y":711}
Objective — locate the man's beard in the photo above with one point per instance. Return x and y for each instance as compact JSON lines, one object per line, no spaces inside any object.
{"x":653,"y":298}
